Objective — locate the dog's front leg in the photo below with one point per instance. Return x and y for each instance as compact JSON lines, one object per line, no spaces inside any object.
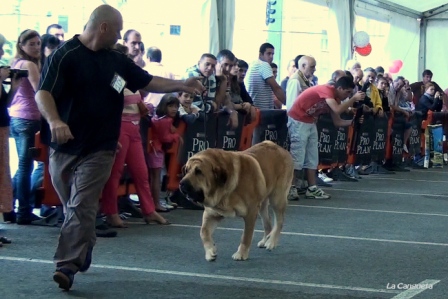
{"x":246,"y":239}
{"x":209,"y":223}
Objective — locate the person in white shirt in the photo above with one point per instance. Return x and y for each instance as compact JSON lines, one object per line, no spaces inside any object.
{"x":260,"y":80}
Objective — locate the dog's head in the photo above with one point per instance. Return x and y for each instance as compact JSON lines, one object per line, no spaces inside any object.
{"x":203,"y":176}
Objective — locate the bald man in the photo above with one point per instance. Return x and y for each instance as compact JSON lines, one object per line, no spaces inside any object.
{"x":300,"y":80}
{"x":81,"y":98}
{"x":297,"y":83}
{"x":337,"y":74}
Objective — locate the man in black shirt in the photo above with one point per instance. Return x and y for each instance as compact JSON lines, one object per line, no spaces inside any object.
{"x":81,"y":98}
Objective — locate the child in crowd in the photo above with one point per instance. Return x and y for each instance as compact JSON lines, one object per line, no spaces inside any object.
{"x":188,"y":111}
{"x":163,"y":133}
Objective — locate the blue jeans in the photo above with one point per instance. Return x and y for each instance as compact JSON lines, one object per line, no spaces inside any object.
{"x":37,"y":179}
{"x":23,"y":131}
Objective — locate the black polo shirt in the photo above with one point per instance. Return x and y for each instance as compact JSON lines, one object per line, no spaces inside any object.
{"x":80,"y":81}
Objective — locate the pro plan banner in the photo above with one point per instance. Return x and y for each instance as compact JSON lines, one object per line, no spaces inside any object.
{"x":227,"y":138}
{"x":414,"y":139}
{"x":340,"y":141}
{"x":198,"y":137}
{"x":340,"y":145}
{"x":397,"y":138}
{"x":364,"y":141}
{"x":272,"y":127}
{"x":379,"y":139}
{"x":326,"y":139}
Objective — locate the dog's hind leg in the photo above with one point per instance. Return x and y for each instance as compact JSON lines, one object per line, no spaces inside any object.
{"x":246,"y":239}
{"x":266,"y":220}
{"x":278,"y":201}
{"x":209,"y":223}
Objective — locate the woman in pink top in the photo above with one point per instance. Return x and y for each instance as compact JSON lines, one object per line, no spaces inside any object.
{"x":25,"y":119}
{"x":131,"y":153}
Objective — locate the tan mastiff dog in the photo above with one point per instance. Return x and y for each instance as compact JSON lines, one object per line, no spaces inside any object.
{"x":243,"y":184}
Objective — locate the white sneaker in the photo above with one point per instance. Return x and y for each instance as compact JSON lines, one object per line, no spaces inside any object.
{"x":405,"y":148}
{"x":324,"y":177}
{"x":134,"y":197}
{"x":293,"y":193}
{"x":317,"y":194}
{"x":163,"y":204}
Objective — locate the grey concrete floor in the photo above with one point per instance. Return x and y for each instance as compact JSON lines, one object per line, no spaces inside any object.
{"x":380,"y":231}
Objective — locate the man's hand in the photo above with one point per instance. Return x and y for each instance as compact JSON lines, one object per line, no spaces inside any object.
{"x":380,"y":112}
{"x":246,"y":106}
{"x":194,"y":110}
{"x":366,"y":109}
{"x":60,"y":132}
{"x":193,"y":85}
{"x":233,"y":120}
{"x":359,"y":96}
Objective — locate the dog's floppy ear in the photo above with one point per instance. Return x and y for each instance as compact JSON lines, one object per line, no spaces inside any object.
{"x":220,"y":175}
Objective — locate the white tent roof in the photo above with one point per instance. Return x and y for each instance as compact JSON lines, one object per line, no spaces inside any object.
{"x":421,"y":5}
{"x":412,"y":8}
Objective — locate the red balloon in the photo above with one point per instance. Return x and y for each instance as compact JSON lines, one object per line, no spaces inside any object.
{"x":394,"y":69}
{"x":365,"y":51}
{"x":398,"y":63}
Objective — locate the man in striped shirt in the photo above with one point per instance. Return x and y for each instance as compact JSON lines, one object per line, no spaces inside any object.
{"x":260,"y":80}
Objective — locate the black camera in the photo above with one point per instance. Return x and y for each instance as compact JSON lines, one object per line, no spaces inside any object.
{"x":17,"y":73}
{"x":367,"y":101}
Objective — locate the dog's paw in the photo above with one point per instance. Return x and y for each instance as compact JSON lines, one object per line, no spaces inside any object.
{"x":210,"y":257}
{"x":211,"y":254}
{"x":270,"y":244}
{"x":262,"y":243}
{"x":238,"y":256}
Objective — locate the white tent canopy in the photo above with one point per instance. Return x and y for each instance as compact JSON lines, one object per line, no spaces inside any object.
{"x":420,"y":6}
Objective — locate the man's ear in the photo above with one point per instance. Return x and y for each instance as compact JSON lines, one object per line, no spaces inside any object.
{"x":220,"y":175}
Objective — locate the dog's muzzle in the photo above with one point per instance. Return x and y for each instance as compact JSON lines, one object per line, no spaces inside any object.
{"x":188,"y":190}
